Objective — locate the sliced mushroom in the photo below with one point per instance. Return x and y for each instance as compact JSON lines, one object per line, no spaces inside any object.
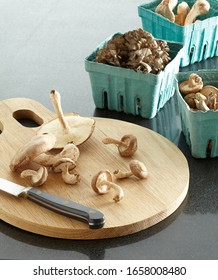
{"x":137,"y":168}
{"x":37,"y":145}
{"x":127,"y":146}
{"x":192,"y":85}
{"x":102,"y":182}
{"x":36,"y":177}
{"x":68,"y":128}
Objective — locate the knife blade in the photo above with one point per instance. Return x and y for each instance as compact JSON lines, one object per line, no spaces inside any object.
{"x":94,"y":218}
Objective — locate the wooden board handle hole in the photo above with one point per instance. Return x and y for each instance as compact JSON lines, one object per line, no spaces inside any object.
{"x":27,"y":118}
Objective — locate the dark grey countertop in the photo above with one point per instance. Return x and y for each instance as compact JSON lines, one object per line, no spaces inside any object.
{"x":43,"y":45}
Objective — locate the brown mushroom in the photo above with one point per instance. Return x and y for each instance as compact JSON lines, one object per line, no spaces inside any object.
{"x":200,"y":101}
{"x":70,"y":151}
{"x":63,"y":166}
{"x":137,"y":168}
{"x":68,"y":128}
{"x":192,"y":85}
{"x":37,"y":145}
{"x":102,"y":182}
{"x":36,"y":177}
{"x":165,"y":8}
{"x":212,"y":101}
{"x":207,"y":90}
{"x":182,"y":11}
{"x":200,"y":7}
{"x":127,"y":146}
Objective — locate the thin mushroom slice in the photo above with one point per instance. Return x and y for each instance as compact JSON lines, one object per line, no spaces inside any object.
{"x":67,"y":128}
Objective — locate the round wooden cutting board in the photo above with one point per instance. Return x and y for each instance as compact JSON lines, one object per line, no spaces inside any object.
{"x":145,"y":203}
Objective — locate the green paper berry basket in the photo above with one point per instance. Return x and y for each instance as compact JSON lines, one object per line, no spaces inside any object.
{"x":200,"y":39}
{"x":199,"y":128}
{"x":129,"y":91}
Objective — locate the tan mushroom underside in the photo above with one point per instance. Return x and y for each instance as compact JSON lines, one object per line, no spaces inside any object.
{"x":81,"y":128}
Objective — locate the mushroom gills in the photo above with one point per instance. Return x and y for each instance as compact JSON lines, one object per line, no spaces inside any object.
{"x":81,"y":129}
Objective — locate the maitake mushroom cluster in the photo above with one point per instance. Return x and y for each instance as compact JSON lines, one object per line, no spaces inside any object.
{"x":137,"y":50}
{"x":184,"y":14}
{"x":198,"y":96}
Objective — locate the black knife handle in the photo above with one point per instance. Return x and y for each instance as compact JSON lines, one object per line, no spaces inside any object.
{"x":94,"y":218}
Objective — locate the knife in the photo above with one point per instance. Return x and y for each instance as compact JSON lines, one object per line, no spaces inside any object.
{"x":94,"y":218}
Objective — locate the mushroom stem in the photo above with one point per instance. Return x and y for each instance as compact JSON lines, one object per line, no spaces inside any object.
{"x":119,"y":174}
{"x":109,"y":140}
{"x":68,"y":178}
{"x":119,"y":194}
{"x":56,"y":101}
{"x":127,"y":145}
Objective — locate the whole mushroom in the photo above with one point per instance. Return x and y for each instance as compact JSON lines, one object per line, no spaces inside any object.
{"x":37,"y":145}
{"x":127,"y":146}
{"x":70,"y":151}
{"x":182,"y":11}
{"x":102,"y":182}
{"x":137,"y":168}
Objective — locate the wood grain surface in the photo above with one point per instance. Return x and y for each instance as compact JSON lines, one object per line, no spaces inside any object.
{"x":146,"y":202}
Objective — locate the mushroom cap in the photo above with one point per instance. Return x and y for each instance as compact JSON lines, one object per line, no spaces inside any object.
{"x":192,"y":85}
{"x":81,"y":128}
{"x":103,"y":175}
{"x":37,"y":145}
{"x":207,"y":90}
{"x":138,"y":169}
{"x":130,"y":146}
{"x":63,"y":164}
{"x":37,"y":178}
